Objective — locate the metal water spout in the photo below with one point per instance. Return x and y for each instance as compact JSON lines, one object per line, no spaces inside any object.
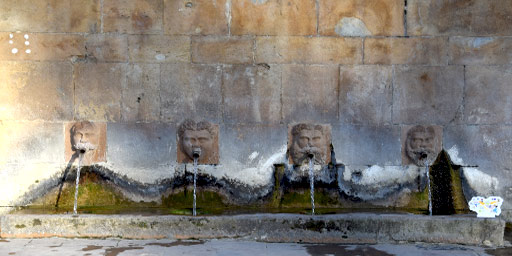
{"x":196,"y":153}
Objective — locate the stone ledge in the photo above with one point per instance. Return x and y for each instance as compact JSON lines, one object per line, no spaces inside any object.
{"x":339,"y":228}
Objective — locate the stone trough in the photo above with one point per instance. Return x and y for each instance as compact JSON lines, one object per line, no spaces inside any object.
{"x":337,"y":228}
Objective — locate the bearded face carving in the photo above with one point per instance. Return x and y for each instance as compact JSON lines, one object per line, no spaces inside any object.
{"x":308,"y":141}
{"x":86,"y":139}
{"x":422,"y":145}
{"x":198,"y":140}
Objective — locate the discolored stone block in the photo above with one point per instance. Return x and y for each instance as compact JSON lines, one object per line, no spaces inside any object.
{"x":107,"y":47}
{"x":50,"y":16}
{"x":229,"y":50}
{"x":98,"y":91}
{"x":367,"y":144}
{"x":190,"y":91}
{"x":487,"y":95}
{"x":86,"y":138}
{"x":417,"y":51}
{"x":144,"y":152}
{"x":480,"y":50}
{"x":310,"y":50}
{"x":361,"y":17}
{"x":308,"y":139}
{"x":428,"y":95}
{"x":133,"y":16}
{"x":273,"y":17}
{"x":204,"y":17}
{"x":36,"y":46}
{"x":157,"y":48}
{"x":421,"y":144}
{"x":198,"y":140}
{"x":459,"y":17}
{"x":252,"y":94}
{"x":30,"y":142}
{"x":141,"y":93}
{"x":36,"y":91}
{"x":366,"y":94}
{"x":309,"y":93}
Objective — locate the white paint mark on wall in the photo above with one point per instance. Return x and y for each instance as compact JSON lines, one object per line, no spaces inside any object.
{"x":253,"y":155}
{"x":228,"y":15}
{"x":259,"y":1}
{"x":350,"y":26}
{"x":14,"y":50}
{"x":160,"y":57}
{"x":481,"y":41}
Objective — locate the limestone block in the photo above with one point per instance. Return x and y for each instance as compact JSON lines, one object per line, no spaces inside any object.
{"x":36,"y":46}
{"x":31,"y":142}
{"x":365,"y":94}
{"x":252,"y":94}
{"x":98,"y":91}
{"x":366,"y":145}
{"x":204,"y":17}
{"x":36,"y":91}
{"x":87,"y":137}
{"x":480,"y":50}
{"x":229,"y":50}
{"x":459,"y":17}
{"x":133,"y":16}
{"x":157,"y":48}
{"x":190,"y":91}
{"x":361,"y":17}
{"x":50,"y":16}
{"x":104,"y":47}
{"x":143,"y":152}
{"x":488,"y":94}
{"x":313,"y":50}
{"x":428,"y":95}
{"x":309,"y":93}
{"x":417,"y":51}
{"x":273,"y":17}
{"x":141,"y":93}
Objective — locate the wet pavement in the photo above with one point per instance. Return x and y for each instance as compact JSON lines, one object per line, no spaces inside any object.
{"x":118,"y":247}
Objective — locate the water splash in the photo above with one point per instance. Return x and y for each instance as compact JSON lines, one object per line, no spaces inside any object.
{"x":429,"y":189}
{"x":194,"y":213}
{"x":312,"y":184}
{"x":75,"y":206}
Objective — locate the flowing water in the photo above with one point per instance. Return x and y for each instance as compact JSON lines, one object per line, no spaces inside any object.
{"x":195,"y":178}
{"x":312,"y":184}
{"x":75,"y":206}
{"x":429,"y":190}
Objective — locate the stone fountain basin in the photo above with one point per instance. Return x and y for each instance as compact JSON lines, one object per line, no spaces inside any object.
{"x":337,"y":228}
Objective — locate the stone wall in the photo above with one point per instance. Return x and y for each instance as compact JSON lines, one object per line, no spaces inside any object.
{"x":369,"y":68}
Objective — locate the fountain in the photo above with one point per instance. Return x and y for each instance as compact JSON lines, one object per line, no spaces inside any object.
{"x":80,"y":158}
{"x":197,"y":154}
{"x":312,"y":181}
{"x":427,"y":170}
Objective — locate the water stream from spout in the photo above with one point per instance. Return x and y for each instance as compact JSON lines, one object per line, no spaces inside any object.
{"x":429,"y":189}
{"x":75,"y":206}
{"x":312,"y":184}
{"x":194,"y":213}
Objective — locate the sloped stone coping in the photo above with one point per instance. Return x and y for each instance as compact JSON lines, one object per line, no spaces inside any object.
{"x":338,"y":228}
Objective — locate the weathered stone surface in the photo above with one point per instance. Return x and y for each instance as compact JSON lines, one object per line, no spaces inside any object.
{"x":421,"y":143}
{"x":107,"y":47}
{"x":50,"y":16}
{"x":366,"y":145}
{"x":480,"y":50}
{"x":229,"y":50}
{"x":309,"y":93}
{"x":98,"y":91}
{"x":428,"y":95}
{"x":157,"y":48}
{"x":366,"y":94}
{"x":314,"y":50}
{"x":273,"y":17}
{"x":141,"y":93}
{"x":252,"y":94}
{"x":190,"y":91}
{"x":40,"y":46}
{"x":31,"y":142}
{"x":133,"y":16}
{"x":361,"y":17}
{"x":91,"y":134}
{"x":426,"y":51}
{"x":36,"y":90}
{"x":459,"y":17}
{"x":487,"y":95}
{"x":204,"y":17}
{"x":143,"y":152}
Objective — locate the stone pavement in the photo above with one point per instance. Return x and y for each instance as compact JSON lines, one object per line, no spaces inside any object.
{"x":117,"y":247}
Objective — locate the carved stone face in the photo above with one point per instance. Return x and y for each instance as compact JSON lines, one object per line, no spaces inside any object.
{"x":309,"y":140}
{"x":84,"y":137}
{"x":420,"y":145}
{"x":198,"y":140}
{"x":87,"y":140}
